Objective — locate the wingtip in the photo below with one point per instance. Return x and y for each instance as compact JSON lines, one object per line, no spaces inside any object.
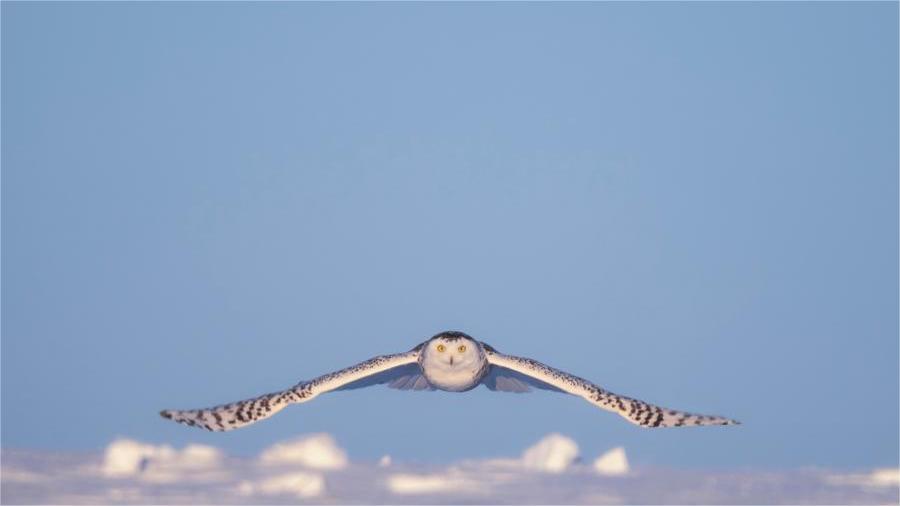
{"x":166,"y":414}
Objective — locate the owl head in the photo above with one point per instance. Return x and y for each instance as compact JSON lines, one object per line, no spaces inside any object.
{"x":452,"y":349}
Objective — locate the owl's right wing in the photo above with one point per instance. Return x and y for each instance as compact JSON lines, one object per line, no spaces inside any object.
{"x":507,"y":372}
{"x":377,"y":370}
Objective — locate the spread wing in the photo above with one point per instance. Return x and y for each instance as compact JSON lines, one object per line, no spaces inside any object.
{"x":381,"y":369}
{"x":507,"y":372}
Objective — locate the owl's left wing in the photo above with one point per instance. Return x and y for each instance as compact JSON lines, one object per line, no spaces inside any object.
{"x":377,"y":370}
{"x":633,"y":410}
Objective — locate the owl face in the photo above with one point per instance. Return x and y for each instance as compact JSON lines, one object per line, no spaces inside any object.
{"x":453,"y":361}
{"x":453,"y":352}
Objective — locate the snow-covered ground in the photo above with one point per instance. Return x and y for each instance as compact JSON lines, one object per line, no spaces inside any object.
{"x":315,"y":469}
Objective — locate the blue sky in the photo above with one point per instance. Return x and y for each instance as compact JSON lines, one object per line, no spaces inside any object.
{"x":693,"y":204}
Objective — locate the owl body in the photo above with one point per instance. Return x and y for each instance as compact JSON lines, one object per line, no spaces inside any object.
{"x":453,"y":362}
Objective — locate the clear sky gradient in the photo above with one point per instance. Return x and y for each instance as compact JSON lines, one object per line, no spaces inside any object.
{"x":694,"y":204}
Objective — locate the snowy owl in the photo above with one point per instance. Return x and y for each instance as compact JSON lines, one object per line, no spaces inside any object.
{"x":450,"y":361}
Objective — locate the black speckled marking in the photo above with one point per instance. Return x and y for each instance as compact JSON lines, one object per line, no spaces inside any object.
{"x":451,"y":335}
{"x":637,"y":412}
{"x":488,"y":348}
{"x":237,"y":414}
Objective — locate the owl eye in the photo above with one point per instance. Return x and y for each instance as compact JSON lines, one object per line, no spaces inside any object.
{"x":441,"y":348}
{"x":462,"y":348}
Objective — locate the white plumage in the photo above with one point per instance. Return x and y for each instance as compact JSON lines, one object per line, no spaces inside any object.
{"x":450,"y":361}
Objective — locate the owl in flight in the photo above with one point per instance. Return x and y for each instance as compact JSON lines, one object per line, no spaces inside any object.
{"x":450,"y":361}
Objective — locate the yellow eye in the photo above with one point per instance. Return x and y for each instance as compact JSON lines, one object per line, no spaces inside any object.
{"x":462,"y":348}
{"x":441,"y":348}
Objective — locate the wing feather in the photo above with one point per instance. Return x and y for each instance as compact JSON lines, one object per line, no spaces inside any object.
{"x":241,"y":413}
{"x":389,"y":376}
{"x":633,"y":410}
{"x":414,"y":381}
{"x":502,"y":379}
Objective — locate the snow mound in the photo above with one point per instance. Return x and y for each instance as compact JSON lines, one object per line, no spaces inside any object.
{"x":552,"y":454}
{"x":316,"y":451}
{"x":300,"y":484}
{"x":126,"y":457}
{"x":885,"y":477}
{"x":612,"y":463}
{"x":199,"y":457}
{"x":164,"y":464}
{"x":879,"y":478}
{"x":412,"y":484}
{"x":134,"y":472}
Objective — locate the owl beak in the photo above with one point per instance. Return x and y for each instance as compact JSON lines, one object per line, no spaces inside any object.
{"x":451,"y":359}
